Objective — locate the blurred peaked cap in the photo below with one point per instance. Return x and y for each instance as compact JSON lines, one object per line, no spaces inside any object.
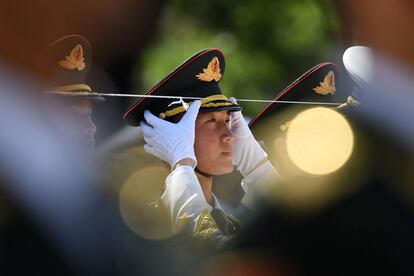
{"x":70,"y":60}
{"x":318,"y":84}
{"x":359,"y":63}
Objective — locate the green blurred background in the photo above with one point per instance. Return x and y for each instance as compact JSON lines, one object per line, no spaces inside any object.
{"x":267,"y":43}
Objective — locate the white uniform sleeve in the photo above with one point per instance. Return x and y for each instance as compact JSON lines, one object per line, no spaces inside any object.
{"x":188,"y":210}
{"x":256,"y":181}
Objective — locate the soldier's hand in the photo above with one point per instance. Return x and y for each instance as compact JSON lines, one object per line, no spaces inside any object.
{"x":169,"y":141}
{"x":247,"y":152}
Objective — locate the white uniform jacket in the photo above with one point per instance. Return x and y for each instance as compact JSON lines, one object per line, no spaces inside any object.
{"x":192,"y":215}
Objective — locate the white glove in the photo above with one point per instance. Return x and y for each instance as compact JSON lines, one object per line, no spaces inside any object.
{"x":168,"y":141}
{"x":247,"y":152}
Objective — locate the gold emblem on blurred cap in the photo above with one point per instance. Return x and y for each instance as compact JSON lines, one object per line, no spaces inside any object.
{"x":212,"y":72}
{"x":75,"y":59}
{"x":327,"y":86}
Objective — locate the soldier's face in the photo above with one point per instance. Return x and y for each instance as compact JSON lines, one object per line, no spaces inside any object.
{"x":214,"y":142}
{"x":74,"y":122}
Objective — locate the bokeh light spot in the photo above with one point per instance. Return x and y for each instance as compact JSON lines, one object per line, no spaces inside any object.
{"x":319,"y":140}
{"x":140,"y":206}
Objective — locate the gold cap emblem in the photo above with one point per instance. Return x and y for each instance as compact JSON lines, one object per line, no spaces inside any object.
{"x":327,"y":86}
{"x":75,"y":59}
{"x":212,"y":72}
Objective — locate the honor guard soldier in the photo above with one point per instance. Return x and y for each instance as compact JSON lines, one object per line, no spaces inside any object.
{"x":318,"y":87}
{"x":199,"y":139}
{"x":361,"y":214}
{"x":71,"y":98}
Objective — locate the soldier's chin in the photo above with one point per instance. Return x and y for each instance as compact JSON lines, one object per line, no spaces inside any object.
{"x":225,"y":169}
{"x":230,"y":169}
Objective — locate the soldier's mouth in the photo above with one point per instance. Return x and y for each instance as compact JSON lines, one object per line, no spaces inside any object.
{"x":227,"y":154}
